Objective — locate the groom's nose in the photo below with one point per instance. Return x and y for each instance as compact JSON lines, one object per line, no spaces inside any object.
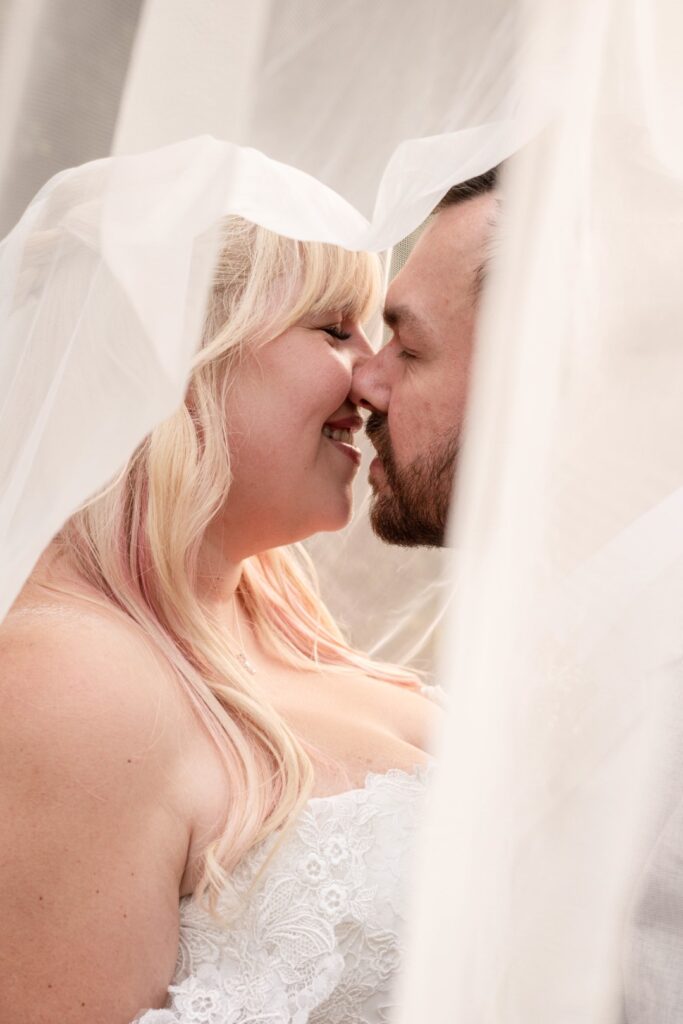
{"x":369,"y":387}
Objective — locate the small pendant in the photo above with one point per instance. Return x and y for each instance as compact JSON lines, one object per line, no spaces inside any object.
{"x":246,"y":664}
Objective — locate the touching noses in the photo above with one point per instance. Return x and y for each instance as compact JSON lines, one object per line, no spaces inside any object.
{"x":368,"y":390}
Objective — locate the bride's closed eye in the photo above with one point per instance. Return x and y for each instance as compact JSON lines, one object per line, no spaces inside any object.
{"x":335,"y":331}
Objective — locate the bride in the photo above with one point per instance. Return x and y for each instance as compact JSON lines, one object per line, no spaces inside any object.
{"x":208,"y":788}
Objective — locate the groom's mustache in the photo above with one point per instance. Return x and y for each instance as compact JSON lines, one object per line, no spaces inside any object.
{"x":377,"y":429}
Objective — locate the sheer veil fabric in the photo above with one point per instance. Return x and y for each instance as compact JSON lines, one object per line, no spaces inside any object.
{"x":562,"y":642}
{"x":560,"y":762}
{"x":359,"y":159}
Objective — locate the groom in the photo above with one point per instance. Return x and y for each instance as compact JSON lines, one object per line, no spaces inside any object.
{"x":416,"y":385}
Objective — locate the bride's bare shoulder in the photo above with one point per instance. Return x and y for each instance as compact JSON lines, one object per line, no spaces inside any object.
{"x":99,"y":837}
{"x":81,"y":659}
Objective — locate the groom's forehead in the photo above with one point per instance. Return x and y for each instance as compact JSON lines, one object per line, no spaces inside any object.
{"x":453,"y":243}
{"x":442,"y":274}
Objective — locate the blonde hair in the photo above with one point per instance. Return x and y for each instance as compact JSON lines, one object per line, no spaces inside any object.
{"x":138,"y":541}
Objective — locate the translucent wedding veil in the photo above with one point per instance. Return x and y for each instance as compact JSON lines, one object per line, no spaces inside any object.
{"x":562,"y":643}
{"x":564,"y":646}
{"x":378,"y":107}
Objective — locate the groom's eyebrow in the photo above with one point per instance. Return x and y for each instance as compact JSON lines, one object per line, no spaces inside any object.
{"x":396,"y":317}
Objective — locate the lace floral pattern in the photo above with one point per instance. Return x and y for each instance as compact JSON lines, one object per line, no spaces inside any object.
{"x":318,"y":937}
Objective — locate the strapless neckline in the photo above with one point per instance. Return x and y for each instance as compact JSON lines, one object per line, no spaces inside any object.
{"x":314,"y":934}
{"x":419,"y":773}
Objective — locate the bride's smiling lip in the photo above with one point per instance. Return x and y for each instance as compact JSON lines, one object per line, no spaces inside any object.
{"x":349,"y":450}
{"x":352,"y":423}
{"x":349,"y":424}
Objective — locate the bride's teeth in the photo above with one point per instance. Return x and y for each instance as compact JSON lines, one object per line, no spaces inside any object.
{"x":338,"y":435}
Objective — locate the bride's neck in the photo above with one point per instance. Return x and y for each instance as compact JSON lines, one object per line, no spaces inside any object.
{"x":218,"y":575}
{"x":218,"y":571}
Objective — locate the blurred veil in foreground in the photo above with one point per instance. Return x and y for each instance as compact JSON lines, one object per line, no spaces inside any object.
{"x":561,"y":760}
{"x":347,"y":122}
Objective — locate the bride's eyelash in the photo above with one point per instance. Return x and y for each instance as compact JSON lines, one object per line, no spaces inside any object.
{"x":336,"y":332}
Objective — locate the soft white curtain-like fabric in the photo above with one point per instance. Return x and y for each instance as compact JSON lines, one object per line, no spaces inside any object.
{"x":331,"y":88}
{"x":367,"y":77}
{"x":563,"y":644}
{"x":542,"y":894}
{"x":193,"y":71}
{"x":63,"y":64}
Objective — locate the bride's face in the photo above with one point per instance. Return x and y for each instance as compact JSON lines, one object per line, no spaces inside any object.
{"x":291,"y":477}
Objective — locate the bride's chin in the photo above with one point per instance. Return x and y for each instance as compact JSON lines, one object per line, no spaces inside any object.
{"x":338,"y":518}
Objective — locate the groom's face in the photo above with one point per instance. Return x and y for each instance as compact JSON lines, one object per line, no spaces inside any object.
{"x":416,"y":385}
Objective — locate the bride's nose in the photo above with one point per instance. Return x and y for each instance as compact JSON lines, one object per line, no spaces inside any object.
{"x":362,"y":349}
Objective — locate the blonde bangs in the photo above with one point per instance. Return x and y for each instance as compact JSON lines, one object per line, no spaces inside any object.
{"x":335,"y":280}
{"x":266,"y":283}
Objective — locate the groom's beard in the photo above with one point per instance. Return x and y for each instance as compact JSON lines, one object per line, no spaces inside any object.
{"x":413,"y":511}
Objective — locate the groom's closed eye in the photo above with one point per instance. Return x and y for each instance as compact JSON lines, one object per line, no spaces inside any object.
{"x":406,"y":328}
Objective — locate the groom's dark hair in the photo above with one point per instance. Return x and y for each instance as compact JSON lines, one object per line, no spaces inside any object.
{"x":478,"y":186}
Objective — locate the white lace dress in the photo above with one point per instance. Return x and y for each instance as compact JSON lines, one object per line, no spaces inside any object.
{"x":318,"y":940}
